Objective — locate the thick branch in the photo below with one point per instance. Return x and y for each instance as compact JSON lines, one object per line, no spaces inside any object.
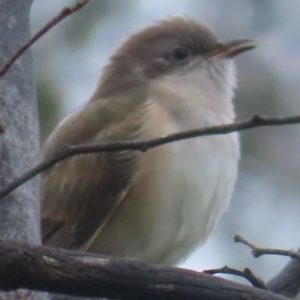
{"x":83,"y":274}
{"x":71,"y":150}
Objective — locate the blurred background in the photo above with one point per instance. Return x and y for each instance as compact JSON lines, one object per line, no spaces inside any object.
{"x":266,"y":205}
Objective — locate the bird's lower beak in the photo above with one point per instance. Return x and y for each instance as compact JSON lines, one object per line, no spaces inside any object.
{"x":233,"y":48}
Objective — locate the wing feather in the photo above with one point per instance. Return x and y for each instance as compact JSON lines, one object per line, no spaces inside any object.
{"x":80,"y":194}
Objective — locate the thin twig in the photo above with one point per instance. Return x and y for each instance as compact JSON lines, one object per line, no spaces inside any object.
{"x":246,"y":273}
{"x":71,"y":150}
{"x":257,"y":252}
{"x":64,"y":13}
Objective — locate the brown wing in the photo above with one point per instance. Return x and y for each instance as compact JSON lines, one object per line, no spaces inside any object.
{"x":81,"y":193}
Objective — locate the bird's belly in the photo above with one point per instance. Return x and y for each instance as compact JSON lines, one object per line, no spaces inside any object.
{"x":176,"y":202}
{"x":197,"y":190}
{"x":177,"y":196}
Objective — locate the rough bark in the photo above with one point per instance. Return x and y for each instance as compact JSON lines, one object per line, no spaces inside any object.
{"x":19,"y":132}
{"x":70,"y":272}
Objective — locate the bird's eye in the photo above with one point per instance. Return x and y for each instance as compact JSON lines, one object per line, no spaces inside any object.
{"x":179,"y":55}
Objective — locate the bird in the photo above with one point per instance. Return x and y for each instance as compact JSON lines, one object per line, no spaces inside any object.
{"x":158,"y":206}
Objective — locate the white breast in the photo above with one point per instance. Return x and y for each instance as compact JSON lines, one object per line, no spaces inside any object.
{"x":197,"y":191}
{"x":202,"y":172}
{"x":181,"y":189}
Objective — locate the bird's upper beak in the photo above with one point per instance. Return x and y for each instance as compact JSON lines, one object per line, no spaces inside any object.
{"x":232,"y":48}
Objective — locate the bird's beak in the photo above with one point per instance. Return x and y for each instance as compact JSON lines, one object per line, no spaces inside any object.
{"x":232,"y":48}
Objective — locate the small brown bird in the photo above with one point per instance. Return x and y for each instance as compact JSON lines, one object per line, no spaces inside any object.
{"x":160,"y":205}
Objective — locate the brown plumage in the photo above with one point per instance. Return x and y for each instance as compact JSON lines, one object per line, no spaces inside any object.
{"x":159,"y":205}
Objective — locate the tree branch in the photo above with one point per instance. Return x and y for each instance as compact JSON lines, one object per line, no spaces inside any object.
{"x":71,"y":150}
{"x":287,"y":282}
{"x":83,"y":274}
{"x":64,"y":13}
{"x":257,"y":252}
{"x":246,"y":273}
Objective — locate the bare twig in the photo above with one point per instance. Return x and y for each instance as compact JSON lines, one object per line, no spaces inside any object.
{"x":287,"y":282}
{"x":246,"y":273}
{"x":257,"y":252}
{"x":85,"y":274}
{"x":71,"y":150}
{"x":64,"y":13}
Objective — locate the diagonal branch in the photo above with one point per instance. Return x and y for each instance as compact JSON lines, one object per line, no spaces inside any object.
{"x":83,"y":274}
{"x":71,"y":150}
{"x":64,"y":13}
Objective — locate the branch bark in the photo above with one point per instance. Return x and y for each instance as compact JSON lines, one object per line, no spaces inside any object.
{"x":19,"y":133}
{"x":74,"y":273}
